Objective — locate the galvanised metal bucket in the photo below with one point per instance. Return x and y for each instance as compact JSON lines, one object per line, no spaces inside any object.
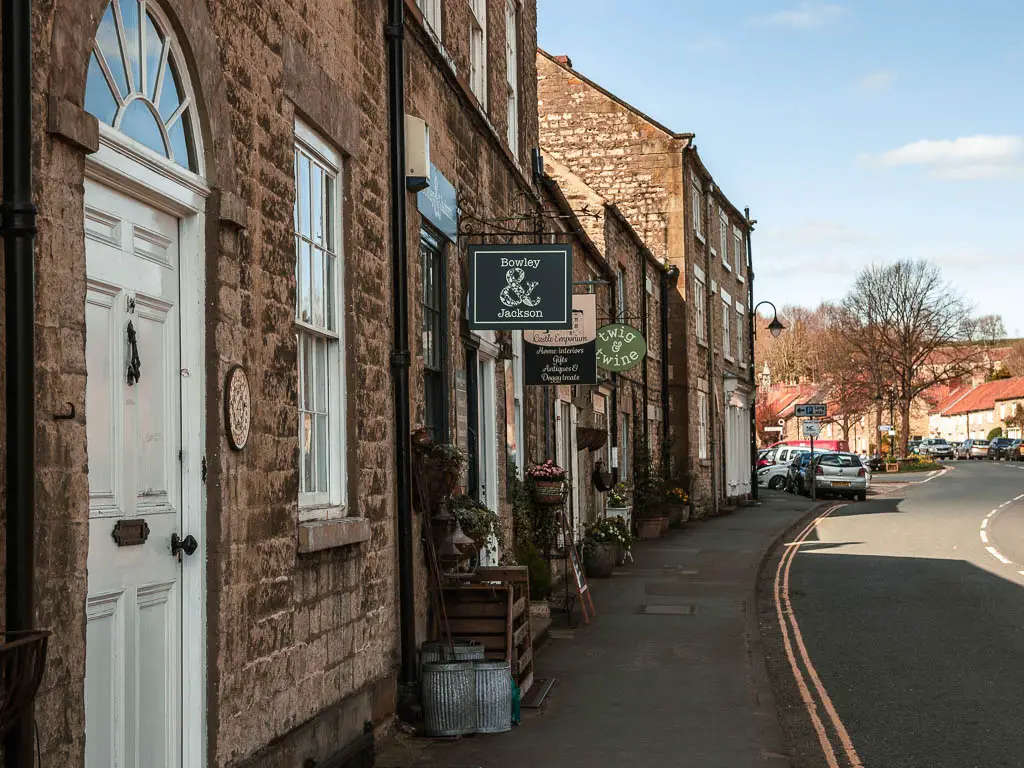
{"x":493,"y":696}
{"x":432,"y":650}
{"x":464,"y":650}
{"x":449,"y":698}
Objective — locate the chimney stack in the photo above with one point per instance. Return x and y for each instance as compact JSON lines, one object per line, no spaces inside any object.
{"x":565,"y":61}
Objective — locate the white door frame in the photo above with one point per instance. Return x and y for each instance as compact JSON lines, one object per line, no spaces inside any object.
{"x":119,"y":164}
{"x":487,"y":414}
{"x":566,"y":412}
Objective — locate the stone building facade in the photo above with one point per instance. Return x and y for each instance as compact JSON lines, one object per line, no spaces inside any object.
{"x":656,"y":178}
{"x":213,"y":202}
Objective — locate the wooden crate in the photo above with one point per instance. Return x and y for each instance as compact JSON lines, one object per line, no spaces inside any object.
{"x":494,"y":609}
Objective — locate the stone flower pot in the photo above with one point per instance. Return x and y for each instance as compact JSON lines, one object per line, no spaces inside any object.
{"x":649,"y":528}
{"x":664,"y":525}
{"x":599,"y":558}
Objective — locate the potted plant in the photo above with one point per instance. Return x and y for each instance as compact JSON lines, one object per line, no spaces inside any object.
{"x":601,"y":544}
{"x":619,"y":505}
{"x":602,"y":478}
{"x":548,"y":484}
{"x":439,"y":465}
{"x":648,"y":495}
{"x":481,"y":525}
{"x":623,"y":538}
{"x":677,"y":502}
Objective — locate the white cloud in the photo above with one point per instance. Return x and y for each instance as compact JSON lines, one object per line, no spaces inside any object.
{"x":876,"y":82}
{"x":807,"y":15}
{"x":968,"y":157}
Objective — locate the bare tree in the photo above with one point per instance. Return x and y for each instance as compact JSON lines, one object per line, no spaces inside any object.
{"x":911,"y":330}
{"x":796,"y":354}
{"x":1015,"y":360}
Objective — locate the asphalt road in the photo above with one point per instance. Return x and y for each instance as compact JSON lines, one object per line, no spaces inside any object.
{"x":911,"y":609}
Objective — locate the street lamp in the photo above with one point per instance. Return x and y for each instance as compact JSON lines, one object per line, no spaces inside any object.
{"x":775,"y":327}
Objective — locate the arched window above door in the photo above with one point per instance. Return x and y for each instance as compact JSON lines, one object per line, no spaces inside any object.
{"x":137,"y":82}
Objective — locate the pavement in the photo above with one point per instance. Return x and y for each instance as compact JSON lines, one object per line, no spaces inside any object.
{"x":910,"y":609}
{"x":670,"y":673}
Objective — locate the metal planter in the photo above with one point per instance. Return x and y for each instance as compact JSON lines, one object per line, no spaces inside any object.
{"x":449,"y":698}
{"x":464,"y":650}
{"x":493,"y":696}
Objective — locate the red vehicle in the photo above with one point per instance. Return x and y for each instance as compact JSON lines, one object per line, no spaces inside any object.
{"x":840,"y":446}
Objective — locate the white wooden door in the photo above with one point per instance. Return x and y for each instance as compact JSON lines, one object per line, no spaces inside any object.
{"x":133,"y":683}
{"x":566,"y":418}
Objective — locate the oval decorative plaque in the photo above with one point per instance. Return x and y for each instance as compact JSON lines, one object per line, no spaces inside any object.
{"x":619,"y":347}
{"x":237,"y":407}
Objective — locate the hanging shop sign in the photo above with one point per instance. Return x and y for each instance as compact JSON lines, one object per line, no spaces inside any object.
{"x":564,"y":357}
{"x":439,"y":204}
{"x":619,"y":347}
{"x":520,"y":287}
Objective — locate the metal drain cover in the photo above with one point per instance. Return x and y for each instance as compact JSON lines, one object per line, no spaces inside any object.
{"x":668,"y":610}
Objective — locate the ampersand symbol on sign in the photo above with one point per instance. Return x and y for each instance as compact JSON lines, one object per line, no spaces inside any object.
{"x":616,"y":346}
{"x":516,"y":293}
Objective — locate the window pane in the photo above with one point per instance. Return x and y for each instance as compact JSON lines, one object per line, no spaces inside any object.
{"x":317,"y":202}
{"x":133,"y":38}
{"x":139,"y":123}
{"x":302,"y":195}
{"x":306,"y":438}
{"x":181,"y":142}
{"x":331,"y":288}
{"x":106,"y":39}
{"x":317,"y":274}
{"x":322,"y":455}
{"x":320,"y":376}
{"x":329,"y":214}
{"x":308,"y":361}
{"x":99,"y":101}
{"x":170,"y":91}
{"x":304,"y":289}
{"x":154,"y":49}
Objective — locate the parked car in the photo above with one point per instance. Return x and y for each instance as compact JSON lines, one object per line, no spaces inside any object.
{"x":764,"y":458}
{"x":772,"y":476}
{"x":936,"y":447}
{"x":973,"y":449}
{"x":840,"y":474}
{"x":997,"y":448}
{"x":876,"y":463}
{"x":913,"y":446}
{"x":796,"y":477}
{"x":1015,"y":451}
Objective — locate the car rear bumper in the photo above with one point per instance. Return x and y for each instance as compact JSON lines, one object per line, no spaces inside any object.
{"x":846,"y":485}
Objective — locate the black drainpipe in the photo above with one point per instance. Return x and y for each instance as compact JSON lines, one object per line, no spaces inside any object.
{"x":712,"y":302}
{"x":670,"y":276}
{"x":647,"y":335}
{"x":19,"y":226}
{"x":750,"y":351}
{"x":394,"y":32}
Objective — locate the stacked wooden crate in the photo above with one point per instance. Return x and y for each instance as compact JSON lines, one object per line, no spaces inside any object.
{"x":494,"y":609}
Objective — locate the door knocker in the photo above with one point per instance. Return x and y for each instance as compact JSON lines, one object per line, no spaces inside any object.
{"x":135,"y":366}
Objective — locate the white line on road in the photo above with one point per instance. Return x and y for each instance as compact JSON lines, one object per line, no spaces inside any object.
{"x":984,"y":538}
{"x":1018,"y":498}
{"x":997,"y":555}
{"x":984,"y":523}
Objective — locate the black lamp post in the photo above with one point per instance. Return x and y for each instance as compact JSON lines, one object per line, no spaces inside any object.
{"x":775,"y":327}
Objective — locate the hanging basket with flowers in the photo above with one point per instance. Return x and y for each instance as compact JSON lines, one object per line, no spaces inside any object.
{"x":438,"y":466}
{"x":549,"y":488}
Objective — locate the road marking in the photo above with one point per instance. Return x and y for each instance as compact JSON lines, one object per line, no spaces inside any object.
{"x":1018,"y":498}
{"x":782,"y":591}
{"x":997,"y":555}
{"x":984,"y":538}
{"x":984,"y":523}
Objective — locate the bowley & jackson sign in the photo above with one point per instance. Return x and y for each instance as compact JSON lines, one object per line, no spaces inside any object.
{"x":520,"y":287}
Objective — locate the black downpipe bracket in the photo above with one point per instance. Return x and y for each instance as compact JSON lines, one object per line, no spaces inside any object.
{"x":19,"y":226}
{"x":394,"y":32}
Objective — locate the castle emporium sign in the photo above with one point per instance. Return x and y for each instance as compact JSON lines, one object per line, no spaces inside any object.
{"x":564,"y":357}
{"x":619,"y":347}
{"x":520,"y":287}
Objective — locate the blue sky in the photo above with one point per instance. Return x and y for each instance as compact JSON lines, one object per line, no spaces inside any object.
{"x":855,"y":131}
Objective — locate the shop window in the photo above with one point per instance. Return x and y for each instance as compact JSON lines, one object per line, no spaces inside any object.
{"x":435,"y":329}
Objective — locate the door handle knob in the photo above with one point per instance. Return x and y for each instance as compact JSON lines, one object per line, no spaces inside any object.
{"x":188,"y":545}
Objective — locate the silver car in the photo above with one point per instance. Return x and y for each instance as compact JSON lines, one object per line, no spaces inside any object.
{"x":973,"y":449}
{"x":937,"y":447}
{"x":841,"y":474}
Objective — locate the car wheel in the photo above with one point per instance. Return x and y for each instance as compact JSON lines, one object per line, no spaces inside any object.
{"x":862,"y":496}
{"x":774,"y":483}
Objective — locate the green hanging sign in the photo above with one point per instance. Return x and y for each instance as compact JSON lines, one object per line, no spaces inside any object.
{"x":620,"y":347}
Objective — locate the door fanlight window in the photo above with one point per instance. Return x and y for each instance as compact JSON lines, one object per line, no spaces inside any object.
{"x":135,"y":84}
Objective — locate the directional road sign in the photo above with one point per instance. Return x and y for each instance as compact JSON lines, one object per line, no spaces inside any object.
{"x":812,"y":410}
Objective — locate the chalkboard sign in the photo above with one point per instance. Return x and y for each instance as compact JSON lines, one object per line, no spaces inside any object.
{"x":582,"y":588}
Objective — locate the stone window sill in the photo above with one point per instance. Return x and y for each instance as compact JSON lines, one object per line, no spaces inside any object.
{"x":317,"y":535}
{"x":705,"y":462}
{"x":702,"y":342}
{"x":700,"y":237}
